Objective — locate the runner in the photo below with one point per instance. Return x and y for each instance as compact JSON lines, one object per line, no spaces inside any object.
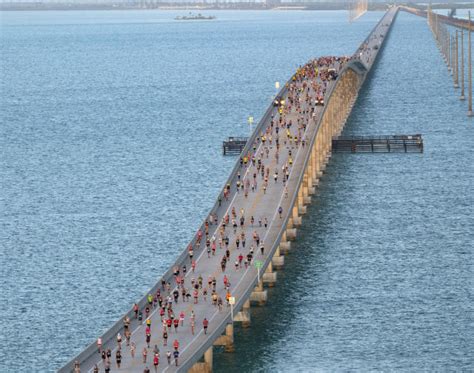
{"x":99,"y":345}
{"x":118,"y":358}
{"x":165,"y":337}
{"x":156,"y":361}
{"x":176,"y":356}
{"x":205,"y":324}
{"x":181,"y":318}
{"x":132,"y":349}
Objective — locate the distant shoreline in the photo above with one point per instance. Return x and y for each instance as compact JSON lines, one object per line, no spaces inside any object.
{"x":339,"y":5}
{"x":228,"y":6}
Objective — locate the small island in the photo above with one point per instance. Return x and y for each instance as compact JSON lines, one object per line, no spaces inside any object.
{"x":194,"y":17}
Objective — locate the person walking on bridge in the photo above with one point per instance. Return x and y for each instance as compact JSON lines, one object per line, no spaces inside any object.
{"x":165,"y":337}
{"x":144,"y":354}
{"x":205,"y":324}
{"x":176,"y":356}
{"x":133,"y":347}
{"x":118,"y":358}
{"x":176,"y":344}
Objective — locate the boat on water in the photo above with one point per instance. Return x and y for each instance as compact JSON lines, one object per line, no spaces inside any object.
{"x":194,"y":17}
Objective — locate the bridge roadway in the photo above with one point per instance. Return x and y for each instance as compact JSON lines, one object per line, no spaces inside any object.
{"x":453,"y":21}
{"x":261,"y":204}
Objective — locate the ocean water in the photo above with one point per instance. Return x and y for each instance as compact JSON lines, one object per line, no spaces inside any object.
{"x":110,"y":155}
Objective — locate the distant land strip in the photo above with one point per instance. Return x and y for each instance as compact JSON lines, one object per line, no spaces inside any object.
{"x":154,"y":4}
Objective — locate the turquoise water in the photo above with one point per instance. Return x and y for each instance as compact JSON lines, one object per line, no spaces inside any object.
{"x":110,"y":140}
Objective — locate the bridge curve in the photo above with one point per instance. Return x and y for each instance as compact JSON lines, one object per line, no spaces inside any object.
{"x":323,"y":122}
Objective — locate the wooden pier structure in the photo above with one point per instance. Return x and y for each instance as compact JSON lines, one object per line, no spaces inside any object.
{"x":378,"y":144}
{"x":234,"y":145}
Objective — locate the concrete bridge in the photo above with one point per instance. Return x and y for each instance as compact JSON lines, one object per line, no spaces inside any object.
{"x":453,"y":21}
{"x":303,"y":150}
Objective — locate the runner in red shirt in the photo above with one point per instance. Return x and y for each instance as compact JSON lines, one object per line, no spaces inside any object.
{"x":176,"y":324}
{"x":156,"y":361}
{"x":205,"y":324}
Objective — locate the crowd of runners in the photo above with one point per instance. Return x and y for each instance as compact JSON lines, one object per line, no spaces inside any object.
{"x":182,"y":310}
{"x":226,"y":247}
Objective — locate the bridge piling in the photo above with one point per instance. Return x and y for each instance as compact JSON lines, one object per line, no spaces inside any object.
{"x":295,"y":219}
{"x":462,"y":65}
{"x":269,"y":277}
{"x":259,"y":295}
{"x":203,"y":366}
{"x":285,"y":247}
{"x":227,"y":339}
{"x":301,"y":206}
{"x":469,"y":71}
{"x":278,"y":260}
{"x":291,"y":234}
{"x":456,"y":67}
{"x":243,"y":316}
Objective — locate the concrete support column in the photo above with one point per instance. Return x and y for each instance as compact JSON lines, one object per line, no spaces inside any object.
{"x":456,"y":64}
{"x":290,"y":224}
{"x":324,"y":139}
{"x":462,"y":65}
{"x":301,"y":206}
{"x":317,"y":155}
{"x":259,"y":295}
{"x":227,"y":339}
{"x":306,"y":197}
{"x":203,"y":367}
{"x":269,"y":277}
{"x":296,"y":219}
{"x":328,"y":134}
{"x":278,"y":260}
{"x":291,"y":232}
{"x":337,"y":118}
{"x":313,"y":175}
{"x":331,"y":123}
{"x":470,"y":113}
{"x":208,"y":357}
{"x":285,"y":247}
{"x":244,"y":315}
{"x":309,"y":171}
